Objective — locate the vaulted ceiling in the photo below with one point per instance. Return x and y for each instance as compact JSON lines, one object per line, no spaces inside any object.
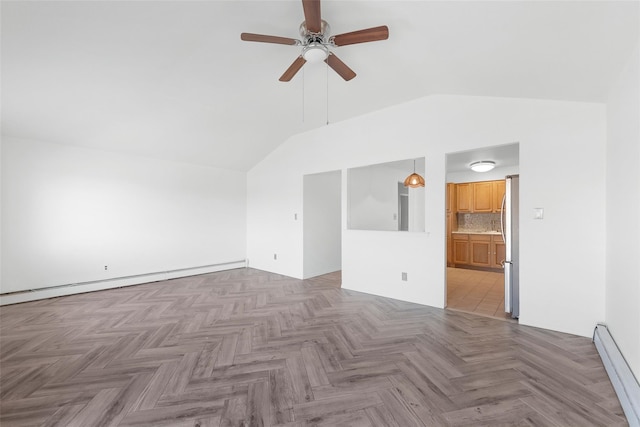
{"x":173,"y":80}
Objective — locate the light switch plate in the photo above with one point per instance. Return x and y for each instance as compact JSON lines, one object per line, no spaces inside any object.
{"x":538,"y":213}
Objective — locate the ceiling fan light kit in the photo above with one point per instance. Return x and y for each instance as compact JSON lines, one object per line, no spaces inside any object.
{"x":315,"y":52}
{"x":316,"y":42}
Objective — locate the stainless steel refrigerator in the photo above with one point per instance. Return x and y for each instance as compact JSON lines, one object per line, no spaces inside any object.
{"x":509,"y":214}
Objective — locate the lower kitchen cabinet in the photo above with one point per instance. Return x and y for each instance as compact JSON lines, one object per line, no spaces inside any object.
{"x":460,"y":248}
{"x":498,"y":251}
{"x":452,"y":224}
{"x":478,"y":250}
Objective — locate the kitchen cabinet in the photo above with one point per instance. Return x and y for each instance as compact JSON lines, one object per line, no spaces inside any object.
{"x":452,"y":220}
{"x":479,"y":197}
{"x":451,"y":197}
{"x":464,"y":196}
{"x":477,"y":250}
{"x":452,"y":224}
{"x":498,"y":251}
{"x":483,"y":197}
{"x":460,"y":248}
{"x":480,"y":250}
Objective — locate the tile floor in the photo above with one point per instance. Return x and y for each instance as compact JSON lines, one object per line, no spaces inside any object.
{"x":473,"y":291}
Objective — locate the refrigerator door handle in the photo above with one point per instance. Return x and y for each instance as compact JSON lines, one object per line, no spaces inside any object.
{"x":502,"y":206}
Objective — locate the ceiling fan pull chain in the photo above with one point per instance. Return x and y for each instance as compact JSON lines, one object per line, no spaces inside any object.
{"x":327,"y":68}
{"x":303,"y":95}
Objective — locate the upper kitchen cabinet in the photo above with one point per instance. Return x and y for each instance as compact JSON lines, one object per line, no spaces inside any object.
{"x":464,"y":197}
{"x":451,"y":197}
{"x":476,"y":197}
{"x":483,"y":197}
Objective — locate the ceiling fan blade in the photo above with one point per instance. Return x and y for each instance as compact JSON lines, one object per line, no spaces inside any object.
{"x":362,"y":36}
{"x":250,"y":37}
{"x":340,"y":67}
{"x":312,"y":16}
{"x":293,"y":69}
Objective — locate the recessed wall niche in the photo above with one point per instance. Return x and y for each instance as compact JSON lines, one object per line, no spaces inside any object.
{"x":377,"y":199}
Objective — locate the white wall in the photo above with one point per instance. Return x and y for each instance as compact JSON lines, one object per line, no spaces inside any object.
{"x":68,"y":211}
{"x":492,"y":175}
{"x":562,"y":267}
{"x":1,"y":144}
{"x":623,"y":213}
{"x":322,"y":222}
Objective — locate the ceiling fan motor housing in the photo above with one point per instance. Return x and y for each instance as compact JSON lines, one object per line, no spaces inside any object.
{"x":315,"y":44}
{"x":324,"y":30}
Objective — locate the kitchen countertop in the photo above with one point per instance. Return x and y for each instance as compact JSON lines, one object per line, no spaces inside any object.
{"x":495,"y":233}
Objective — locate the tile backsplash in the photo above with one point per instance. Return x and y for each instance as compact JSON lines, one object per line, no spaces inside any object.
{"x":478,"y":222}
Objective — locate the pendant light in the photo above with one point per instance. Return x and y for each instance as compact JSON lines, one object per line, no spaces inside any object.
{"x":414,"y":180}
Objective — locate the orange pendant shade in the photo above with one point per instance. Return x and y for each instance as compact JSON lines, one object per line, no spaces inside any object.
{"x":414,"y":181}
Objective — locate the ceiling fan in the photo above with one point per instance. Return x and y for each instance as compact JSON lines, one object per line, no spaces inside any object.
{"x":316,"y":42}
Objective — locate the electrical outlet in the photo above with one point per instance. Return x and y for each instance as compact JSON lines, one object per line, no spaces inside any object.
{"x":295,"y":216}
{"x":404,"y":276}
{"x":106,"y":267}
{"x":275,"y":256}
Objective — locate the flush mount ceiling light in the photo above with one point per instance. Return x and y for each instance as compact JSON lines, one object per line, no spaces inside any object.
{"x":482,"y":166}
{"x":414,"y":180}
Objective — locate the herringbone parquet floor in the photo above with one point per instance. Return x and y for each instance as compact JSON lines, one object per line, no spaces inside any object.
{"x":250,"y":348}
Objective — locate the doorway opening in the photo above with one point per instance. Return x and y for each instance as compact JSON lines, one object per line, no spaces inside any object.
{"x":476,"y":242}
{"x":476,"y":291}
{"x":322,"y":224}
{"x":403,"y":207}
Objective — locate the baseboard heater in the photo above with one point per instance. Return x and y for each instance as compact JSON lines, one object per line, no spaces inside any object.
{"x":622,"y":378}
{"x":114,"y":282}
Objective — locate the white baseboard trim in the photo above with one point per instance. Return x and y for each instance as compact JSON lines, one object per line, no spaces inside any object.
{"x":623,"y":380}
{"x":117,"y":282}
